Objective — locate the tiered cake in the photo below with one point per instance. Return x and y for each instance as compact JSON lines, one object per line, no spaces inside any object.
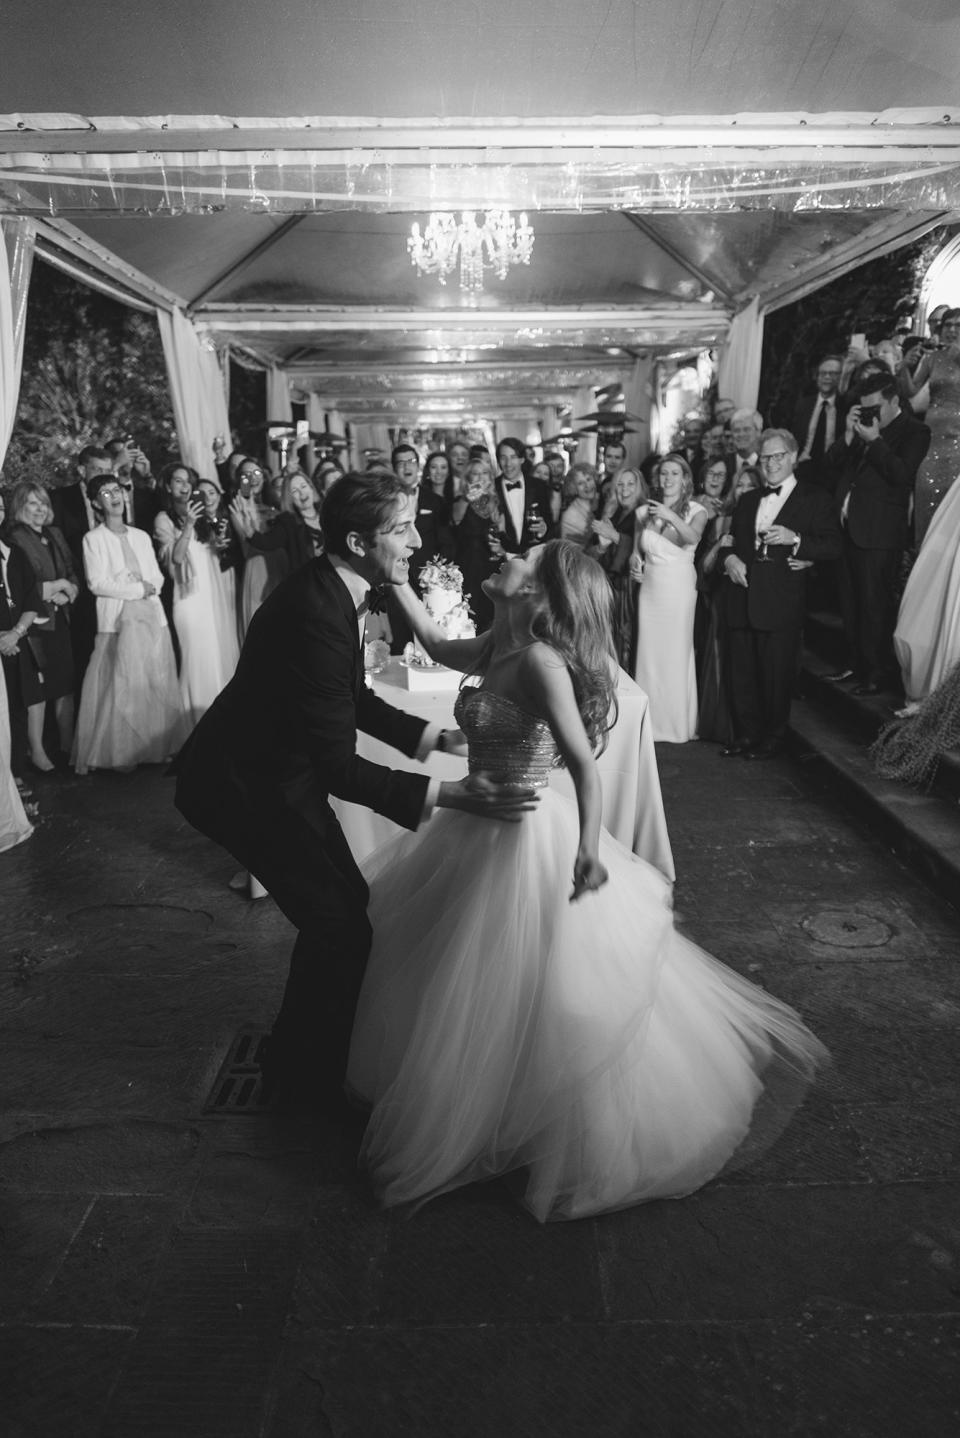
{"x":441,"y":585}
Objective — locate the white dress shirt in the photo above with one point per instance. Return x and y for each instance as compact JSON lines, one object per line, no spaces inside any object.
{"x":830,"y":431}
{"x":358,"y":589}
{"x":772,"y":502}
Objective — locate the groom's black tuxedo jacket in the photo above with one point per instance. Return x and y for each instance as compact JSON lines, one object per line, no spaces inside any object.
{"x":774,"y":597}
{"x":282,"y":734}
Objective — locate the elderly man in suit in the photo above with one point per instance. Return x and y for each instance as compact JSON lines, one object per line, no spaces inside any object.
{"x":777,"y":532}
{"x":874,"y":463}
{"x":259,"y":769}
{"x":818,"y":420}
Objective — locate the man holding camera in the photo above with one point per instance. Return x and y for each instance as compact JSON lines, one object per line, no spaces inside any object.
{"x":874,"y":466}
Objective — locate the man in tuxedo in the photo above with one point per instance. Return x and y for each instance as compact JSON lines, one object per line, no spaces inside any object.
{"x":525,"y":503}
{"x":259,"y":769}
{"x":776,"y":533}
{"x":874,"y":463}
{"x":21,"y":605}
{"x":818,"y":421}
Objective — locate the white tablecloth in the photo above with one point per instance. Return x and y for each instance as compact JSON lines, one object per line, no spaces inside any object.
{"x":632,"y":803}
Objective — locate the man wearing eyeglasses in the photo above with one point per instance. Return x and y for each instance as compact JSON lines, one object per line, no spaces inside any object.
{"x":778,"y":531}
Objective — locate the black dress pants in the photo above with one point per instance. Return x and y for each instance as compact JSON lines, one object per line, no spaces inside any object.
{"x":302,"y":858}
{"x":762,"y":674}
{"x":866,"y":580}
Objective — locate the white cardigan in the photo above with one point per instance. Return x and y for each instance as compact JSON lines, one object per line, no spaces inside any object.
{"x":108,"y":574}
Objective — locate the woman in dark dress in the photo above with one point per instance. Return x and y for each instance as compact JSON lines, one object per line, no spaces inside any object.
{"x":295,"y":532}
{"x":52,"y":563}
{"x":715,"y":720}
{"x":476,"y":515}
{"x":612,"y":545}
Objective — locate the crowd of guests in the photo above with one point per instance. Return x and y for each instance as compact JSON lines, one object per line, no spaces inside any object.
{"x":125,"y":596}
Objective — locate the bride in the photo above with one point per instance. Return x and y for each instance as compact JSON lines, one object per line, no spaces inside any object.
{"x":516,"y":1022}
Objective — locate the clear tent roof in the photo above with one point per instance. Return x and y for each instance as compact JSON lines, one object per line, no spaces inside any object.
{"x":261,"y":166}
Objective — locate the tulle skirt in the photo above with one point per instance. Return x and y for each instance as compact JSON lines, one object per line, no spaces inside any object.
{"x":587,"y":1049}
{"x":130,"y":705}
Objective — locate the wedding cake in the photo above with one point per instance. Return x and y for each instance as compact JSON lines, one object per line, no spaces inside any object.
{"x":441,"y":587}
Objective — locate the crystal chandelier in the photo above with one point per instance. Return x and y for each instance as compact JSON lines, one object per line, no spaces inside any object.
{"x":495,"y":245}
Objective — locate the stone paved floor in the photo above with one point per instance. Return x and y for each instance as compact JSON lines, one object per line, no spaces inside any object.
{"x":167,"y":1273}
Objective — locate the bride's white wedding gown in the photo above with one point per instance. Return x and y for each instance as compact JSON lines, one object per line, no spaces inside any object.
{"x":588,"y":1049}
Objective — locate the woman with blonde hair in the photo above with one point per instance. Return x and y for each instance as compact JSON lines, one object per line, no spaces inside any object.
{"x":528,"y":1009}
{"x":667,"y":535}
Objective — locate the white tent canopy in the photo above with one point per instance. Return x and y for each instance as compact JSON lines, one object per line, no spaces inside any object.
{"x":682,"y":163}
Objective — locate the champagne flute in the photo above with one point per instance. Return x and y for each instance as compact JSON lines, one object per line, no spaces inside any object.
{"x":763,"y":539}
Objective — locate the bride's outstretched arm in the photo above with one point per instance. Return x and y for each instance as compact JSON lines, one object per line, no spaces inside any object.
{"x":551,"y":687}
{"x":455,"y":653}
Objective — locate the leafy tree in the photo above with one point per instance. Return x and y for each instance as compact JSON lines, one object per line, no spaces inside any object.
{"x":93,"y":369}
{"x":876,"y":299}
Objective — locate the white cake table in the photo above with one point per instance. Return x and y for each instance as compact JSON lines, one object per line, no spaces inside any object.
{"x":632,"y":803}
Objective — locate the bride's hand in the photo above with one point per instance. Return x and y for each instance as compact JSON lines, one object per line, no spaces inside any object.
{"x":588,"y":874}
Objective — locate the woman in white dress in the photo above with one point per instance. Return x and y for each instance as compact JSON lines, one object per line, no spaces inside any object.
{"x":204,"y":596}
{"x":584,"y":1048}
{"x":129,"y":705}
{"x":668,"y":532}
{"x":927,"y":636}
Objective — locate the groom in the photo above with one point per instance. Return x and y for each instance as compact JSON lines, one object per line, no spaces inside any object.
{"x":258,"y":770}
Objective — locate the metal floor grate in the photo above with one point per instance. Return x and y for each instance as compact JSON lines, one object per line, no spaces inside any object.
{"x":238,"y":1087}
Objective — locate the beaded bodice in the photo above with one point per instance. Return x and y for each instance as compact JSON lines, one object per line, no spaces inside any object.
{"x":506,"y":743}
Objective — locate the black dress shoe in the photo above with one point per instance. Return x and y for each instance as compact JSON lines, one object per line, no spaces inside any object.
{"x":840,"y":677}
{"x":867,"y":689}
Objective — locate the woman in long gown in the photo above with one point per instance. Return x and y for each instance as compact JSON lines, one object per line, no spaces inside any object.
{"x":715,"y":720}
{"x":669,"y":531}
{"x":204,"y":599}
{"x":261,"y":572}
{"x":612,"y":547}
{"x":940,"y":370}
{"x":129,"y":704}
{"x":585,"y":1048}
{"x":927,"y":636}
{"x":31,"y":529}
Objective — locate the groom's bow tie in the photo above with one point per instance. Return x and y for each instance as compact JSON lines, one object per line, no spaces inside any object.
{"x":513,"y":484}
{"x":771,"y":489}
{"x":373,"y":603}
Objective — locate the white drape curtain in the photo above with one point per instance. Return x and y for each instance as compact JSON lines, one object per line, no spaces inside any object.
{"x":637,"y":400}
{"x":16,"y":263}
{"x":279,"y":409}
{"x":196,"y":389}
{"x":549,"y":421}
{"x":369,"y":436}
{"x":585,"y":403}
{"x":739,"y":371}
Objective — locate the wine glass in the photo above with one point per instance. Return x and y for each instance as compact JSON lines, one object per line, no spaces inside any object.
{"x":763,"y":539}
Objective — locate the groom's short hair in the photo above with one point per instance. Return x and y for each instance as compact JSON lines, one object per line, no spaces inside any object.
{"x":359,"y":504}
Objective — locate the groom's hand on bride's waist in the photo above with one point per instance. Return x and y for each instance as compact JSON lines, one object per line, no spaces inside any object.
{"x":479,"y":795}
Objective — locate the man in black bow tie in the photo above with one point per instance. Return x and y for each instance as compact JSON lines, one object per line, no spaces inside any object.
{"x":777,"y":532}
{"x":258,"y":771}
{"x":525,"y":504}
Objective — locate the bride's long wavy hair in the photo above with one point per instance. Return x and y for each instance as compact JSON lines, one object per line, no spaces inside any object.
{"x":577,"y":621}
